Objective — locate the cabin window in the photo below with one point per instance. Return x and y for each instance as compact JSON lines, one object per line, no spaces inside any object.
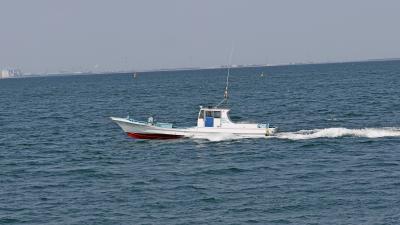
{"x":208,"y":114}
{"x":217,"y":114}
{"x":201,"y":116}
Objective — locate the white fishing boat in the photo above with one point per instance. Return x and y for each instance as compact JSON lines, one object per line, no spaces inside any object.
{"x":211,"y":121}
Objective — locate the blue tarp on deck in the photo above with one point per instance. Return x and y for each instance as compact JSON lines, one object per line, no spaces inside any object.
{"x":209,"y":122}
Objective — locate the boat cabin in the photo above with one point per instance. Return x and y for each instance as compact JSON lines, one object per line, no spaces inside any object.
{"x":213,"y":117}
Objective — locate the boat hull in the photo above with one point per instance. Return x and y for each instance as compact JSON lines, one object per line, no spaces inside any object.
{"x":153,"y":136}
{"x":140,"y":130}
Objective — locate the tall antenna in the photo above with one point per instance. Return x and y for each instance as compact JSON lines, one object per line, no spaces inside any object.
{"x":227,"y":77}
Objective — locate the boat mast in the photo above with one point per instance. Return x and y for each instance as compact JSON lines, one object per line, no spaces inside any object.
{"x":225,"y":100}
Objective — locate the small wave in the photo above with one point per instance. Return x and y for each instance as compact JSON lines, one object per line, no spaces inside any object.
{"x":210,"y":200}
{"x":230,"y":170}
{"x":340,"y":132}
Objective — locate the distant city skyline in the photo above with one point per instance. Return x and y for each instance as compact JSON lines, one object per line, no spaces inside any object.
{"x":47,"y":35}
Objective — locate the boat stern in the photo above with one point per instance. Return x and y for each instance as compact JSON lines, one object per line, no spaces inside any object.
{"x":269,"y":131}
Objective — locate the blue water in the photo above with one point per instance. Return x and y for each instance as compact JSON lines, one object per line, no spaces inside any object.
{"x":336,"y":159}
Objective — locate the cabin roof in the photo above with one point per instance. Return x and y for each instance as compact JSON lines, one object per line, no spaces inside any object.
{"x":211,"y":108}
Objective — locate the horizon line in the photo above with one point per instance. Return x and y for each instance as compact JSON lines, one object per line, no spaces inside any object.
{"x":234,"y":66}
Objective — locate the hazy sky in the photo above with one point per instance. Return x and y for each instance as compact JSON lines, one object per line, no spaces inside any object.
{"x":52,"y":35}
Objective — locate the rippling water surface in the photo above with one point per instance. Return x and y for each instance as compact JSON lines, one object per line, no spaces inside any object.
{"x":336,"y":159}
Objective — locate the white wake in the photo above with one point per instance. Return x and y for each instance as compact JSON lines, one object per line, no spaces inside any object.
{"x":334,"y":132}
{"x":340,"y":132}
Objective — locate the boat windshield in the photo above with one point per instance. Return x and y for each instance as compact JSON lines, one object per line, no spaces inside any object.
{"x":207,"y":113}
{"x":217,"y":114}
{"x":201,"y":115}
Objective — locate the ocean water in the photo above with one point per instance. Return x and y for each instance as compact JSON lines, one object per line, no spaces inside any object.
{"x":335,"y":160}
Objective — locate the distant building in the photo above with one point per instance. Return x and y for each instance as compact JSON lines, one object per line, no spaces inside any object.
{"x":9,"y":73}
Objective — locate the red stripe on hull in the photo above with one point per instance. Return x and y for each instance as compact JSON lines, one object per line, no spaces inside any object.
{"x":153,"y":136}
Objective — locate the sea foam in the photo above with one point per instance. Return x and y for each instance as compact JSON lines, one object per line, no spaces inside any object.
{"x":336,"y":132}
{"x":333,"y":132}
